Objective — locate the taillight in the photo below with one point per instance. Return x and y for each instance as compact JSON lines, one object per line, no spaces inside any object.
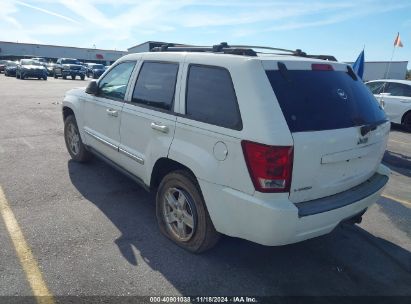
{"x":322,"y":67}
{"x":270,"y":167}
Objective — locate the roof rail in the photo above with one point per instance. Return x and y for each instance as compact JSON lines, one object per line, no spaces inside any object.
{"x":246,"y":50}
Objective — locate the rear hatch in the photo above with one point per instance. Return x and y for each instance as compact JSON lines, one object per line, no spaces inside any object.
{"x":339,"y":131}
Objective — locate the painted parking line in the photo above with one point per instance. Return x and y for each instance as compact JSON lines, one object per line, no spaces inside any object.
{"x":27,"y":260}
{"x":399,"y":200}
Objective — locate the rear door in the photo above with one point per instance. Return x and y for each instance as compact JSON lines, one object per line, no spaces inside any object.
{"x":148,"y":119}
{"x":326,"y":106}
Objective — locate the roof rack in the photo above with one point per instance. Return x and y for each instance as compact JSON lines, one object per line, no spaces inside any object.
{"x":245,"y":50}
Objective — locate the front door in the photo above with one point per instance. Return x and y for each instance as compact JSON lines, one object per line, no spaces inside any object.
{"x":102,"y":113}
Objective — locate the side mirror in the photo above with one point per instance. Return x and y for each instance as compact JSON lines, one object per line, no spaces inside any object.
{"x":92,"y":88}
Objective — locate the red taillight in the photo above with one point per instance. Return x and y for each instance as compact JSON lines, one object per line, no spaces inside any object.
{"x":270,"y":167}
{"x":321,"y":67}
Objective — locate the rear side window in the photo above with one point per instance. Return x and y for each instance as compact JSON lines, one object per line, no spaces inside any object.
{"x":156,"y":85}
{"x":314,"y":100}
{"x":398,"y":89}
{"x":211,"y":98}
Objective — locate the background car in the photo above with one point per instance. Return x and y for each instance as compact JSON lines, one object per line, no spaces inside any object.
{"x":69,"y":67}
{"x":50,"y":68}
{"x":95,"y":70}
{"x":10,"y":69}
{"x":395,"y":96}
{"x":28,"y":68}
{"x":2,"y":65}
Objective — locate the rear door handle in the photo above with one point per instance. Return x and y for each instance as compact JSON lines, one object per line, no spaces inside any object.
{"x":159,"y":127}
{"x":112,"y":112}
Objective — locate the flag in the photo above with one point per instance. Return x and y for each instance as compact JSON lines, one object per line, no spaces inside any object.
{"x":358,"y":65}
{"x":397,"y":41}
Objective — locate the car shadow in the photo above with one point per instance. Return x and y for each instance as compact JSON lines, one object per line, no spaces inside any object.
{"x":349,"y":261}
{"x":399,"y":128}
{"x":398,"y":162}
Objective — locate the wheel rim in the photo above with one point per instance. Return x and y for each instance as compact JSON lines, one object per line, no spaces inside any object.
{"x":178,"y":212}
{"x":73,"y":139}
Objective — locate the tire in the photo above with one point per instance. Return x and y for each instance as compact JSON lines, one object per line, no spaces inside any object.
{"x":64,"y":77}
{"x":82,"y":77}
{"x":74,"y":145}
{"x":94,"y":76}
{"x":202,"y":235}
{"x":45,"y":77}
{"x":73,"y":77}
{"x":406,"y":121}
{"x":38,"y":78}
{"x":22,"y":76}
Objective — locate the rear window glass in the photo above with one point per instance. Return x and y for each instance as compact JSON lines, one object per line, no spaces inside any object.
{"x":156,"y":85}
{"x":323,"y":100}
{"x":211,"y":98}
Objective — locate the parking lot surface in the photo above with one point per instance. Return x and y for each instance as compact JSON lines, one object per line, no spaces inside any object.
{"x":92,"y":231}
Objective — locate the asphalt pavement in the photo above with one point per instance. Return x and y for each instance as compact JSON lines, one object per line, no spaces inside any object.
{"x":93,"y":231}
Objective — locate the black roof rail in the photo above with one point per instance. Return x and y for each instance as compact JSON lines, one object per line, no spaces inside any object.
{"x":223,"y":47}
{"x":246,"y":50}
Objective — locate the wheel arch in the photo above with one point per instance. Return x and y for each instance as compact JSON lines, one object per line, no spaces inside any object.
{"x":162,"y":167}
{"x":405,"y":114}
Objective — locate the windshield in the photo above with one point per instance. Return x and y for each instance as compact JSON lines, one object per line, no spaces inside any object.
{"x":29,"y":62}
{"x":70,"y":61}
{"x":11,"y":63}
{"x":323,"y":100}
{"x":98,"y":67}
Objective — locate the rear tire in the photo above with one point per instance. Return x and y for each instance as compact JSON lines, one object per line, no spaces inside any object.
{"x":82,"y":77}
{"x":179,"y":204}
{"x":406,"y":122}
{"x":64,"y":77}
{"x":74,"y":144}
{"x":73,"y":77}
{"x":45,"y":77}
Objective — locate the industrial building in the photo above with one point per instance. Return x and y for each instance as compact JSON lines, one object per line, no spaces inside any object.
{"x":383,"y":69}
{"x":15,"y":51}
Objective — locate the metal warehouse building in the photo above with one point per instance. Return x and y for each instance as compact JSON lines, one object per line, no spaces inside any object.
{"x":377,"y":70}
{"x":14,"y":51}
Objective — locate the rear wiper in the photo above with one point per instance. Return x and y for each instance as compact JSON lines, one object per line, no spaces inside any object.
{"x":370,"y":127}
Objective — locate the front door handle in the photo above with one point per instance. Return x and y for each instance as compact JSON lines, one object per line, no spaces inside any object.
{"x":159,"y":127}
{"x":112,"y":112}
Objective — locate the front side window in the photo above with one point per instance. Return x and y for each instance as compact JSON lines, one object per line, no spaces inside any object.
{"x":376,"y":87}
{"x":211,"y":98}
{"x":114,"y":84}
{"x":156,"y":85}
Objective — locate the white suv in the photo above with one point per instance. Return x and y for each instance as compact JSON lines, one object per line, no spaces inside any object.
{"x":274,"y":149}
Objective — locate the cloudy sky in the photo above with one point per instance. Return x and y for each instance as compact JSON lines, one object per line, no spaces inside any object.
{"x":340,"y":28}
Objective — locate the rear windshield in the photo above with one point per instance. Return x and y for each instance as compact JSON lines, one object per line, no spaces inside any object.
{"x":323,"y":100}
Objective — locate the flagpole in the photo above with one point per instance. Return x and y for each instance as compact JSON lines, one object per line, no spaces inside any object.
{"x":389,"y":63}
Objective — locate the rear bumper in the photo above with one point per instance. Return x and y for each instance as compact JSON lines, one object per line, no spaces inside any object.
{"x":280,"y":222}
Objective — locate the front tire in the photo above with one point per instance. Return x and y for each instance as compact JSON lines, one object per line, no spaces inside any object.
{"x":74,"y":144}
{"x":406,"y":122}
{"x":82,"y":77}
{"x":73,"y":77}
{"x":182,"y":215}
